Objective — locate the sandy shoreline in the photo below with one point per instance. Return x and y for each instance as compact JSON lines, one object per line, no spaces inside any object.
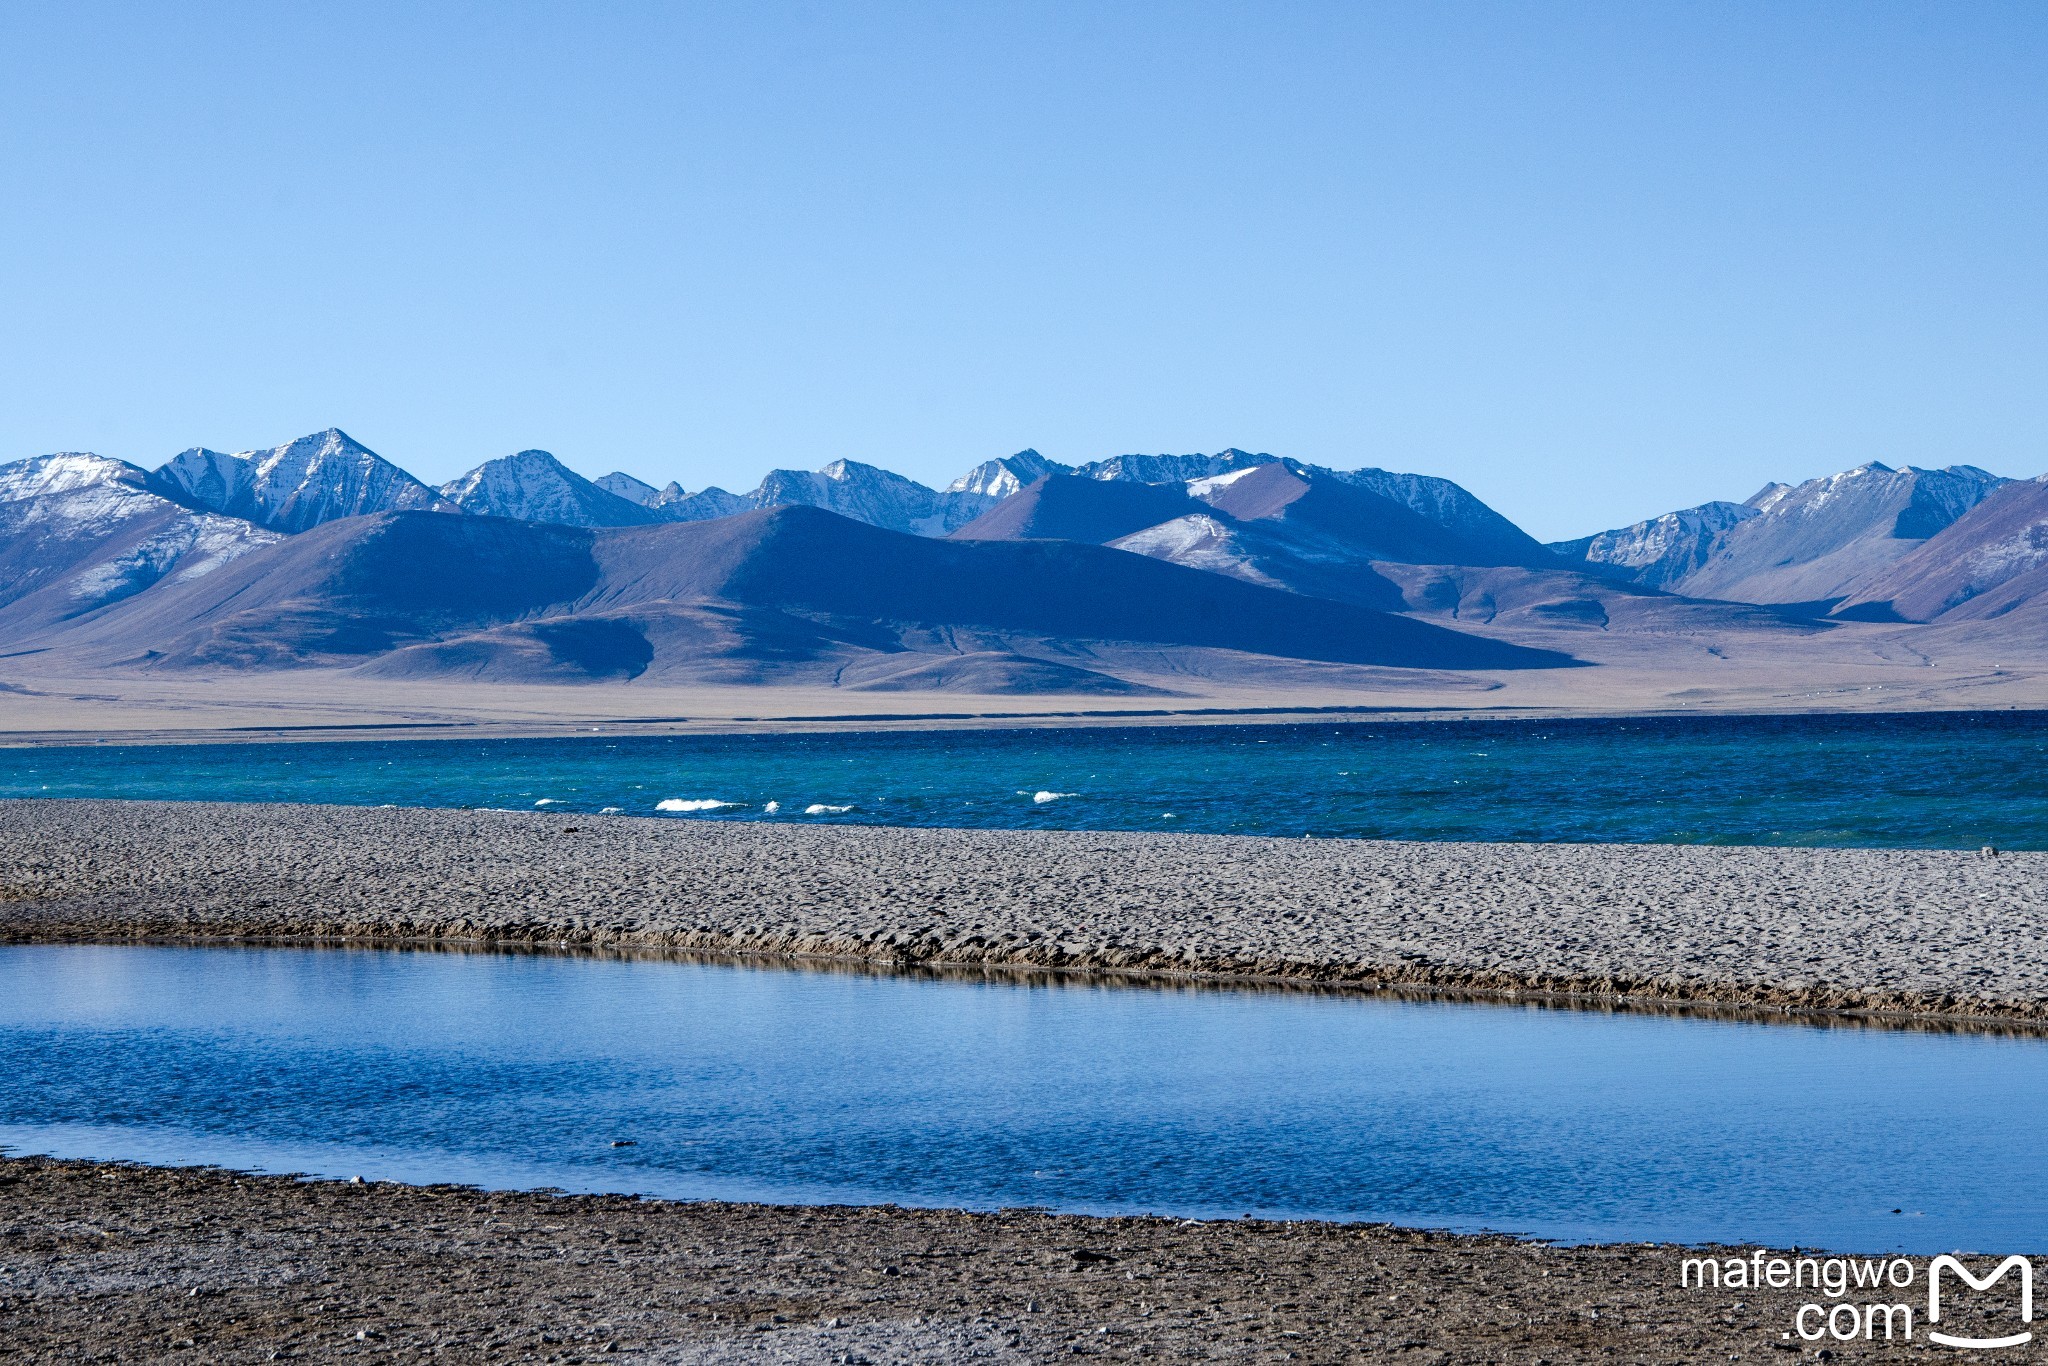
{"x":1938,"y":933}
{"x":105,"y":1262}
{"x":1852,"y":669}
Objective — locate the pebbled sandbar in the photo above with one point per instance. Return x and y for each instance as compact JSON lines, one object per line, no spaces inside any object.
{"x":1947,"y":933}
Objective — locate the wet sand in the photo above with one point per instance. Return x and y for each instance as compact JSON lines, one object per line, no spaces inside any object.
{"x":1933,"y":933}
{"x":117,"y":1263}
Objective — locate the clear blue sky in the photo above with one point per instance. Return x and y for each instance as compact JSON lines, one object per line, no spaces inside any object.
{"x":1593,"y":261}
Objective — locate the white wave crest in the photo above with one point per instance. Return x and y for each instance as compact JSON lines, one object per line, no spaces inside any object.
{"x":820,"y":809}
{"x":772,"y":807}
{"x":692,"y":804}
{"x":547,"y":801}
{"x":1043,"y":797}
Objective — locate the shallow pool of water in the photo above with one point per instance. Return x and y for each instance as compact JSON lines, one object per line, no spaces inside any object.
{"x":787,"y":1085}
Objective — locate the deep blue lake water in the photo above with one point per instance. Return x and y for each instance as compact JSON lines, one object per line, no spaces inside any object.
{"x":740,"y":1082}
{"x":1953,"y":780}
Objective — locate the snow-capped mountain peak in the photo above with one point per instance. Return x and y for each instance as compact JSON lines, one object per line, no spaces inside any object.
{"x":1812,"y":542}
{"x":66,"y":472}
{"x":297,"y":485}
{"x":75,"y":491}
{"x":622,"y":485}
{"x":533,"y":486}
{"x":868,"y":493}
{"x":1659,"y":551}
{"x":1173,"y":469}
{"x":1001,"y":478}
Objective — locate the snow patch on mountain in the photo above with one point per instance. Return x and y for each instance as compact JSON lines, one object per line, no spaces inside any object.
{"x":1197,"y":541}
{"x":186,"y":548}
{"x":1202,"y":488}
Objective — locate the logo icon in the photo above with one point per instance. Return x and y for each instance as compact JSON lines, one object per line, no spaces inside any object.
{"x":1934,"y":1270}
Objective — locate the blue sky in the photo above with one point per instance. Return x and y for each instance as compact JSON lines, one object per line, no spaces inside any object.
{"x":1592,"y":261}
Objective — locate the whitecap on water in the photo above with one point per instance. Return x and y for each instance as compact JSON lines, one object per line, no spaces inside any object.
{"x":611,"y":811}
{"x":1043,"y":797}
{"x":547,"y":801}
{"x":772,"y":807}
{"x":691,"y":804}
{"x":820,"y":809}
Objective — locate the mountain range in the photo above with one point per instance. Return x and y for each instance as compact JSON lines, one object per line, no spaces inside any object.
{"x":1810,"y":544}
{"x":1023,"y":574}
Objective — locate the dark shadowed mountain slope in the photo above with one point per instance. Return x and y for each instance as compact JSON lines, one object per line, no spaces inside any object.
{"x":1072,"y":507}
{"x":300,"y":484}
{"x":1990,"y":562}
{"x":756,"y":594}
{"x":533,"y":486}
{"x":79,"y":531}
{"x":1816,"y":542}
{"x":1510,"y":597}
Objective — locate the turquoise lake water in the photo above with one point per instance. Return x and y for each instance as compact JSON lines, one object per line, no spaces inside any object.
{"x":755,"y":1083}
{"x":1942,"y":781}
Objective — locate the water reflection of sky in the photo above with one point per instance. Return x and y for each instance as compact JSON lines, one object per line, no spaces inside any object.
{"x":790,"y":1085}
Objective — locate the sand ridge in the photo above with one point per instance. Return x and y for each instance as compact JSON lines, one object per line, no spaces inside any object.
{"x":1947,"y":933}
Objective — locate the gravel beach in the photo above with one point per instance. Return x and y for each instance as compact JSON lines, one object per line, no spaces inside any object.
{"x":1937,"y":933}
{"x":120,"y":1263}
{"x":116,"y":1263}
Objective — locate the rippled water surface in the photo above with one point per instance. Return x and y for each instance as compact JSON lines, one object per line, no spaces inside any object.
{"x":1957,"y":780}
{"x":775,"y":1084}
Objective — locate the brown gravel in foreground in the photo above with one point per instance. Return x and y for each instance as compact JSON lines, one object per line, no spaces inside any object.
{"x":118,"y":1263}
{"x":1931,"y":932}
